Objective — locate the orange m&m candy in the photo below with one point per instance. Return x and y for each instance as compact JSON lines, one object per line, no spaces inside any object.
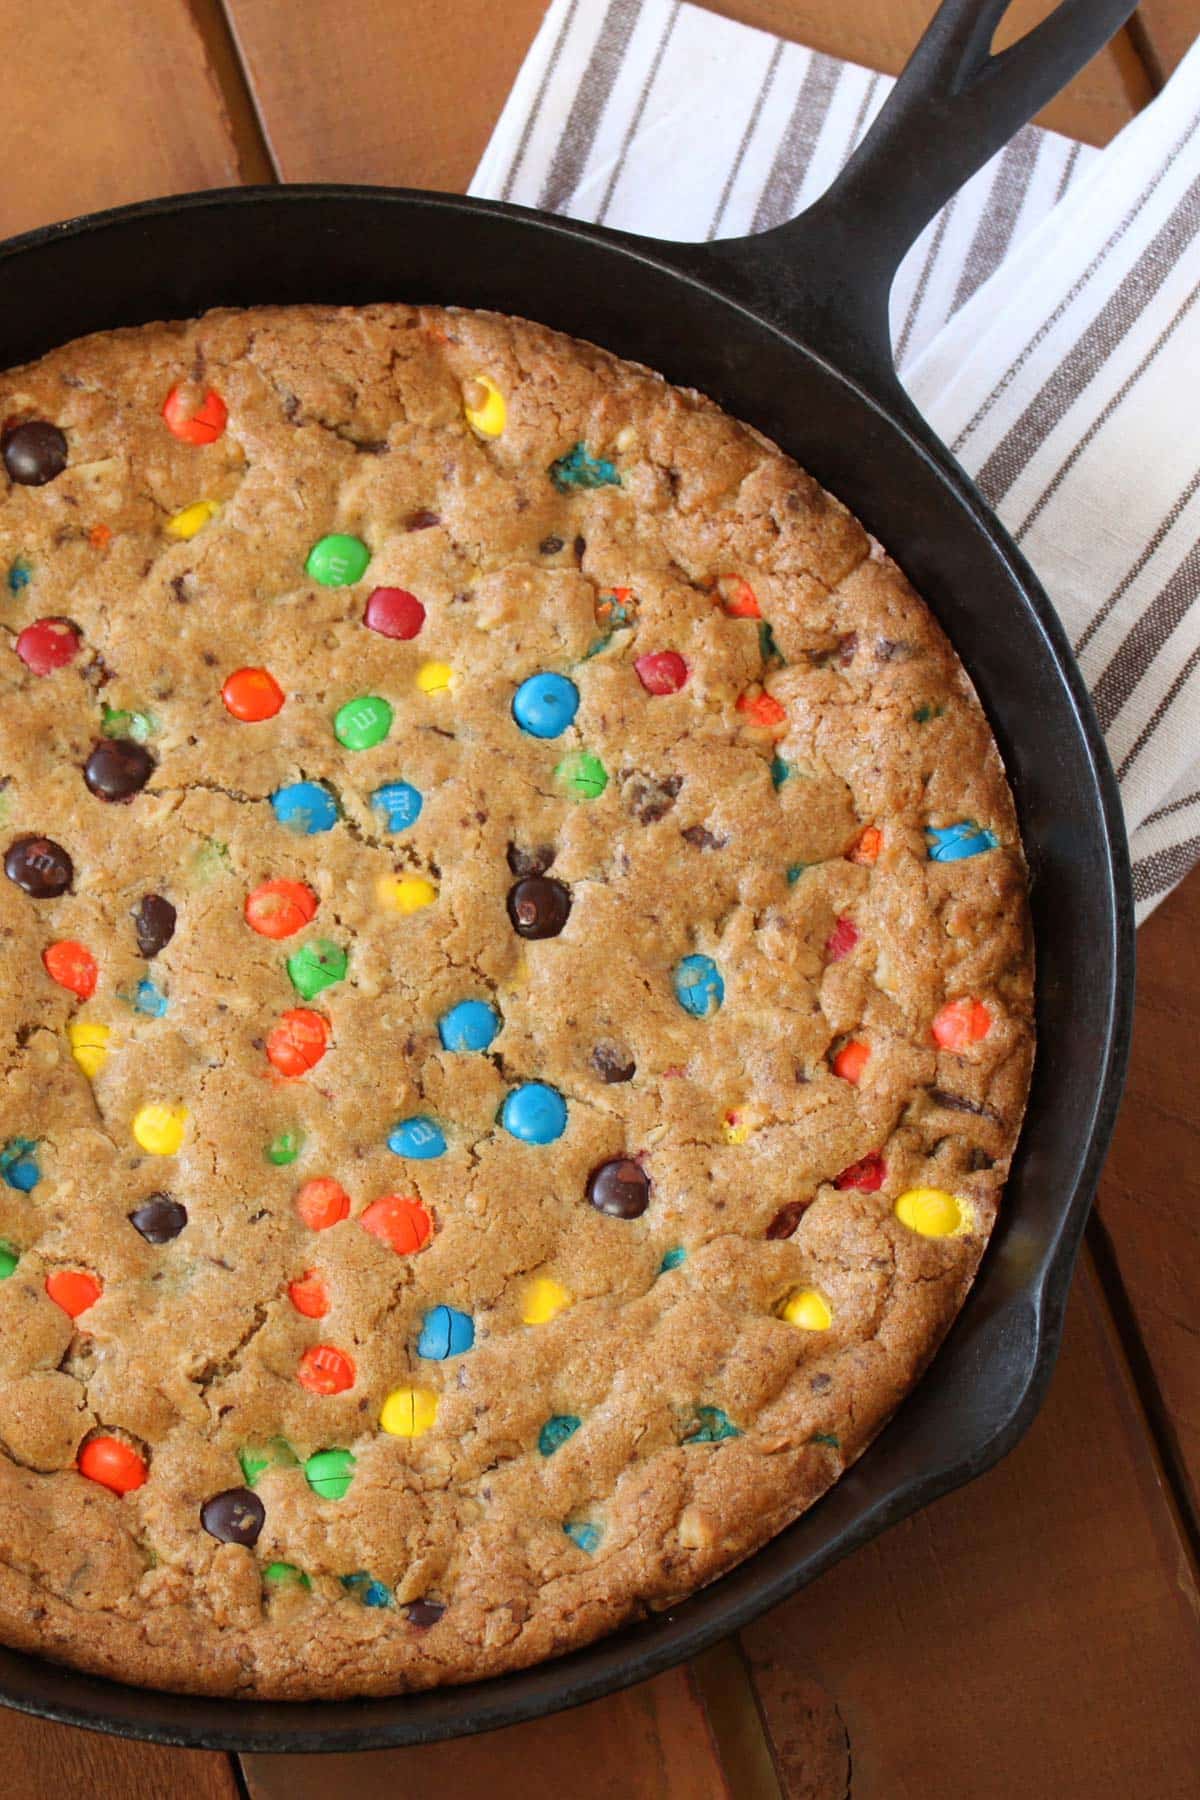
{"x":960,"y":1023}
{"x":276,"y":909}
{"x":851,"y":1060}
{"x":866,"y":846}
{"x":322,"y":1202}
{"x":762,"y":710}
{"x":298,"y":1042}
{"x":113,"y":1464}
{"x":72,"y":967}
{"x":309,"y":1295}
{"x":202,"y":424}
{"x":74,"y":1290}
{"x":252,"y":695}
{"x":400,"y":1222}
{"x":738,"y":597}
{"x":324,"y":1370}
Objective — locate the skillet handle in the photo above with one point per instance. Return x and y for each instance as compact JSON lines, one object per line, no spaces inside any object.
{"x":826,"y":276}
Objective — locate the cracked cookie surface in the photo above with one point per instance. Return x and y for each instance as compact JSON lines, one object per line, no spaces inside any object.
{"x":468,"y":1174}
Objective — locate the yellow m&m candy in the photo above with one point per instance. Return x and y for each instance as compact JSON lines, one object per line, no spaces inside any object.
{"x":405,"y":893}
{"x":808,"y":1310}
{"x":191,"y":519}
{"x":434,"y":677}
{"x":408,"y":1412}
{"x":89,"y":1045}
{"x":159,"y":1129}
{"x":484,"y":406}
{"x":543,"y":1300}
{"x":933,"y":1213}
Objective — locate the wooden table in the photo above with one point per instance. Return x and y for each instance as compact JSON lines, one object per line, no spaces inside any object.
{"x":1036,"y":1634}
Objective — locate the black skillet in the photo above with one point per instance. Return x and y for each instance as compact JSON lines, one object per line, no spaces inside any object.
{"x":788,"y":330}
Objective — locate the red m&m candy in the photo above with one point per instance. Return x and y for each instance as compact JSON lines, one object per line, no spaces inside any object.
{"x":74,"y":1290}
{"x":113,"y":1464}
{"x":322,"y":1202}
{"x":867,"y":1175}
{"x":324,"y":1370}
{"x":298,"y":1042}
{"x":252,"y":695}
{"x":72,"y":967}
{"x":277,"y":909}
{"x":47,"y":645}
{"x":961,"y":1023}
{"x":402,"y":1223}
{"x":841,"y":940}
{"x":661,"y":671}
{"x":394,"y":613}
{"x":194,"y":424}
{"x":309,"y":1295}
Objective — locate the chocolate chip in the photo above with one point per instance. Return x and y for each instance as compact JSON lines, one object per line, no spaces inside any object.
{"x":648,"y":798}
{"x":117,"y":769}
{"x":821,"y":1382}
{"x":159,"y":1218}
{"x":550,"y":546}
{"x":612,"y":1065}
{"x":847,"y":648}
{"x":154,"y":924}
{"x":34,"y":453}
{"x":424,"y":1613}
{"x":579,"y":546}
{"x":700,"y":839}
{"x":39,"y":866}
{"x":530,"y":862}
{"x":178,"y":583}
{"x":539,"y":906}
{"x":235,"y":1516}
{"x":620,"y":1188}
{"x":960,"y":1103}
{"x":787,"y":1219}
{"x":422,"y":520}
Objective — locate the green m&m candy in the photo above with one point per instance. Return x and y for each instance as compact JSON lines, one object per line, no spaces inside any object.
{"x":337,"y":560}
{"x":285,"y":1574}
{"x":330,"y":1472}
{"x":285,"y":1148}
{"x":581,"y":775}
{"x":317,"y":966}
{"x":9,"y":1258}
{"x":362,"y":722}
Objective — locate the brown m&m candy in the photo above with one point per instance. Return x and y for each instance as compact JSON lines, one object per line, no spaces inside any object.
{"x":39,"y":866}
{"x":34,"y":453}
{"x":235,"y":1516}
{"x":154,"y":924}
{"x":117,"y":769}
{"x":620,"y":1188}
{"x":539,"y":906}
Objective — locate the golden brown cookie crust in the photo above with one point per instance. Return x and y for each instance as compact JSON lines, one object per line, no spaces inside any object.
{"x":353,"y":421}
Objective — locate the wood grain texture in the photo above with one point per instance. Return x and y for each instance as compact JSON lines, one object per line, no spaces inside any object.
{"x":55,"y":1762}
{"x":1036,"y":1633}
{"x":1149,"y":1204}
{"x":104,"y":104}
{"x":1172,"y":27}
{"x":651,"y":1742}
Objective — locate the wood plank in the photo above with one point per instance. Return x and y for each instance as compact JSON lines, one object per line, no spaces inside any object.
{"x":1036,"y":1633}
{"x":56,"y":1762}
{"x":449,"y":67}
{"x":1172,"y":27}
{"x":1149,"y":1203}
{"x":652,"y":1742}
{"x":107,"y":104}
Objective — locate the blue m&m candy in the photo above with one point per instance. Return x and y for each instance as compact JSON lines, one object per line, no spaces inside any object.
{"x":471,"y":1025}
{"x":19,"y":1165}
{"x":556,"y":1431}
{"x":305,"y":807}
{"x":585,"y":1536}
{"x":418,"y":1137}
{"x":147,"y":998}
{"x":699,"y":988}
{"x":535,"y":1112}
{"x":400,"y":804}
{"x":951,"y":843}
{"x":544,"y":705}
{"x":446,"y":1332}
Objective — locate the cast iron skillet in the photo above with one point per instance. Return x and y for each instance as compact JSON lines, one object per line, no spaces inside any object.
{"x":788,"y":330}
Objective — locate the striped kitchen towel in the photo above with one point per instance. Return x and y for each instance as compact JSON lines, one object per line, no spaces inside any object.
{"x":1044,"y":322}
